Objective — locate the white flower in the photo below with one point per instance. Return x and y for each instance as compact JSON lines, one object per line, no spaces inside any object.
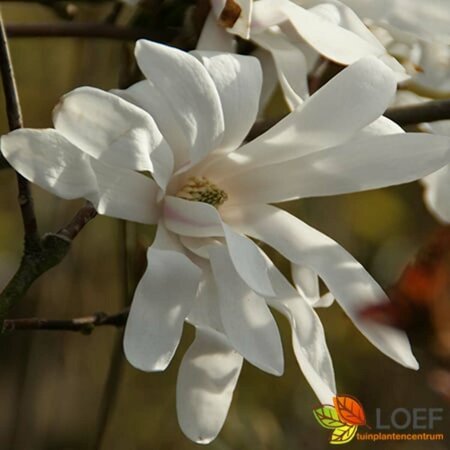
{"x":208,"y":194}
{"x":419,"y":36}
{"x":294,"y":35}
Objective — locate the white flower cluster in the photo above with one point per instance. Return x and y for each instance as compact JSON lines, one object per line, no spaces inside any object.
{"x":209,"y":191}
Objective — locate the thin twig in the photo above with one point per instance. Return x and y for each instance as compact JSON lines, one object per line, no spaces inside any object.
{"x":14,"y":114}
{"x":81,"y":218}
{"x":87,"y":30}
{"x":84,"y":325}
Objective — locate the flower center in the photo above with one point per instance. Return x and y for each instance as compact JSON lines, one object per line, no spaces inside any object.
{"x":200,"y":189}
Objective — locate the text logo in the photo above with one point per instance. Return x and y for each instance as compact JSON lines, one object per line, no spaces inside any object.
{"x":344,"y":418}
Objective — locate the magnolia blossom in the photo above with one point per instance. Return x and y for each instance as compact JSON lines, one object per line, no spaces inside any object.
{"x":294,"y":33}
{"x":208,"y":193}
{"x":419,"y":35}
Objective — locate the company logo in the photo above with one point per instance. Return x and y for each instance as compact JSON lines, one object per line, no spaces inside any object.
{"x":344,"y":418}
{"x":347,"y":414}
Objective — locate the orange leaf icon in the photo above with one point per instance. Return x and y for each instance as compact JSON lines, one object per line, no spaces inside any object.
{"x":350,"y":411}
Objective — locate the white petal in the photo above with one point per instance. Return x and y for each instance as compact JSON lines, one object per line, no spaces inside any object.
{"x":290,"y":64}
{"x":355,"y":166}
{"x":197,"y":219}
{"x":206,"y":380}
{"x":189,"y":91}
{"x":47,"y":159}
{"x":350,"y":101}
{"x":242,"y":25}
{"x":238,"y":80}
{"x":205,"y":312}
{"x":214,"y":37}
{"x":108,"y":128}
{"x":332,"y":41}
{"x":124,"y":194}
{"x":162,"y":300}
{"x":248,"y":322}
{"x":149,"y":98}
{"x":437,"y":193}
{"x":267,"y":13}
{"x":353,"y":288}
{"x":270,"y":77}
{"x":306,"y":282}
{"x":308,"y":337}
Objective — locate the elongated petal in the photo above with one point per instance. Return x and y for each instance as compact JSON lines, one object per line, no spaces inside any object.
{"x":306,"y":281}
{"x":332,"y":41}
{"x":108,"y":128}
{"x":437,"y":193}
{"x":266,"y":14}
{"x":49,"y":160}
{"x":238,"y":80}
{"x":199,"y":219}
{"x":248,"y":322}
{"x":355,"y":166}
{"x":214,"y":37}
{"x":290,"y":64}
{"x":189,"y":91}
{"x":206,"y":380}
{"x":308,"y":338}
{"x":350,"y":101}
{"x":162,"y":300}
{"x":353,"y":288}
{"x":124,"y":194}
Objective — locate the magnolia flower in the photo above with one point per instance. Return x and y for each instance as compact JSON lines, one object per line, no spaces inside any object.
{"x":419,"y":36}
{"x":207,"y":192}
{"x":294,"y":33}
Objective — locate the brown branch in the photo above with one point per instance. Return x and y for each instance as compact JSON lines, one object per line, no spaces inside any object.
{"x":87,"y":30}
{"x":14,"y":114}
{"x":85,"y":324}
{"x":81,"y":218}
{"x":431,"y":111}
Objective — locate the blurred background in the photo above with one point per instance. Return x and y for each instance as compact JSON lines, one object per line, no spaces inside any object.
{"x":68,"y":391}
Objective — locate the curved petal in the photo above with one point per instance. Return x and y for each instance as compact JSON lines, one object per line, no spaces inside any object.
{"x":246,"y":318}
{"x":306,"y":281}
{"x":109,"y":129}
{"x":353,"y":288}
{"x":189,"y":91}
{"x":308,"y":337}
{"x":238,"y":80}
{"x":290,"y":64}
{"x":360,"y":94}
{"x":197,"y":219}
{"x":330,"y":40}
{"x":266,"y":14}
{"x":206,"y":380}
{"x":357,"y":165}
{"x":437,"y":193}
{"x":49,"y":160}
{"x":214,"y":37}
{"x":124,"y":194}
{"x":162,"y":300}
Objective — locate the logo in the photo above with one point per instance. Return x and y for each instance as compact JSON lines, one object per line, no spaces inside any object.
{"x":343,"y":418}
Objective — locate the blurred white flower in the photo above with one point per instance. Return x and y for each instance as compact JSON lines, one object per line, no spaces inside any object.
{"x":208,"y":193}
{"x":294,"y":33}
{"x":419,"y":35}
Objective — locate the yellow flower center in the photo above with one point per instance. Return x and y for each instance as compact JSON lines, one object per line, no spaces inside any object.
{"x":200,"y":189}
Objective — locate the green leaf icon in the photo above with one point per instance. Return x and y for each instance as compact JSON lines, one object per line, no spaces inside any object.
{"x":328,"y":417}
{"x":343,"y":434}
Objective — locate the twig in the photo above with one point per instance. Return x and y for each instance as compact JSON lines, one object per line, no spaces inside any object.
{"x":431,"y":111}
{"x":84,"y":325}
{"x":87,"y":30}
{"x":14,"y":114}
{"x":81,"y":218}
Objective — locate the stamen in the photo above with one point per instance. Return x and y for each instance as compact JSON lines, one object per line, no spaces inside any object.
{"x":200,"y":189}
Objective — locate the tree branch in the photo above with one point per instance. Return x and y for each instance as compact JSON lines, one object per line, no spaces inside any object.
{"x":85,"y":325}
{"x":14,"y":114}
{"x":87,"y":30}
{"x":431,"y":111}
